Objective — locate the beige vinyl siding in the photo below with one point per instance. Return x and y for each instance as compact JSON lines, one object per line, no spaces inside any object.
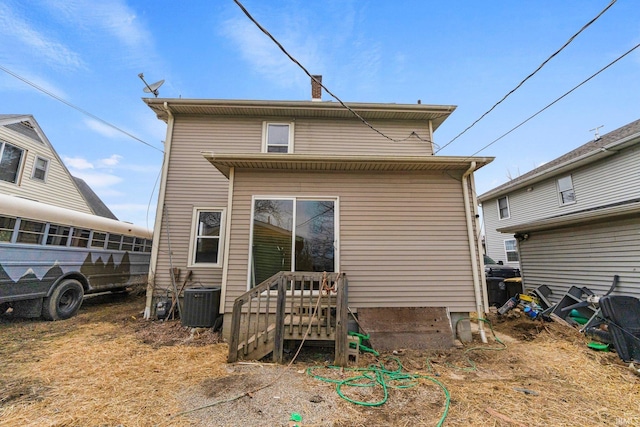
{"x":352,"y":137}
{"x":402,"y":236}
{"x":58,"y":188}
{"x":588,"y":255}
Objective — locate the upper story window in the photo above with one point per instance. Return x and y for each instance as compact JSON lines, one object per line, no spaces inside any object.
{"x":511,"y":249}
{"x":278,"y":138}
{"x":10,"y":161}
{"x":40,"y":168}
{"x":503,"y":208}
{"x":565,"y":190}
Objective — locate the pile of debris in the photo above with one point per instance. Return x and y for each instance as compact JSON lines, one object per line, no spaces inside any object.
{"x":611,"y":321}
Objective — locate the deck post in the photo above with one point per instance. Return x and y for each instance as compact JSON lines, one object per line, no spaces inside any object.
{"x":235,"y":331}
{"x":278,"y":345}
{"x":342,"y":313}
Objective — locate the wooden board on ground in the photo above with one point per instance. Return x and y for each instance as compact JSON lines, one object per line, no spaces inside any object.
{"x":394,"y":328}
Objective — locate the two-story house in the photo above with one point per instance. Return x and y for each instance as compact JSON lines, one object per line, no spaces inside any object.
{"x":30,"y":168}
{"x":251,"y":188}
{"x":574,"y":221}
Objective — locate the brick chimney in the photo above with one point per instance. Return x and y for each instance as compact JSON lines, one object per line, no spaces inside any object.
{"x":316,"y":89}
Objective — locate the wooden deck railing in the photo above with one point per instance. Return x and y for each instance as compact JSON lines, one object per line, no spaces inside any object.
{"x":290,"y":305}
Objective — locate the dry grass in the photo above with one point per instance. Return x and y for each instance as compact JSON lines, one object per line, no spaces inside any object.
{"x":107,"y":367}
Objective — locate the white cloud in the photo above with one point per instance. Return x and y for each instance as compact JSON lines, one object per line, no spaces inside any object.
{"x":266,"y":58}
{"x":97,"y":180}
{"x":19,"y":35}
{"x":77,"y":163}
{"x":110,"y":161}
{"x":102,"y":129}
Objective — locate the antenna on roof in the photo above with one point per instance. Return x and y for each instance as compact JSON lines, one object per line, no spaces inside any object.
{"x":150,"y":88}
{"x":596,"y":136}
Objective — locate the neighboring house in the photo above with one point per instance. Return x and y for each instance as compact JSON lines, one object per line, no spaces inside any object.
{"x":30,"y":168}
{"x":250,"y":188}
{"x":574,"y":221}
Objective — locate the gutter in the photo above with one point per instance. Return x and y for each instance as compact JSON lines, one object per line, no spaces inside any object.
{"x":473,"y":250}
{"x":159,"y":213}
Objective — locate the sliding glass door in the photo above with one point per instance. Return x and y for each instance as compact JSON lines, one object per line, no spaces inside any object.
{"x":292,"y":234}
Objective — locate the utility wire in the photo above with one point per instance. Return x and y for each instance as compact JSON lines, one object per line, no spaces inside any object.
{"x":555,"y":101}
{"x":530,"y":75}
{"x":268,"y":34}
{"x":76,"y":107}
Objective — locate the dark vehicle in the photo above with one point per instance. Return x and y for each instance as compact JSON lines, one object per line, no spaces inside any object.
{"x":494,"y":269}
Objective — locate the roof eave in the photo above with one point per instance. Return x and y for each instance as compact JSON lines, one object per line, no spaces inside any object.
{"x":585,"y":159}
{"x":304,"y":162}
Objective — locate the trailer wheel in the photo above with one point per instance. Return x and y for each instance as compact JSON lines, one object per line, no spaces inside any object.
{"x":64,"y":302}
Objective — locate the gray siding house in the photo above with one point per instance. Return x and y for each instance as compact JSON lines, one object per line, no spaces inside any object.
{"x":30,"y":168}
{"x":240,"y":177}
{"x":574,"y":220}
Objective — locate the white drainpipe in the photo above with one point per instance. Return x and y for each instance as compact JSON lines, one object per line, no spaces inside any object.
{"x":472,"y":250}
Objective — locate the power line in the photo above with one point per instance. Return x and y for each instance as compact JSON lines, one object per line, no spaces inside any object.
{"x":268,"y":34}
{"x":556,"y":100}
{"x":530,"y":75}
{"x":17,"y":76}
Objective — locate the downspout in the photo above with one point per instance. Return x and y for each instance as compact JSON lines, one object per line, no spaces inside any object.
{"x":159,"y":212}
{"x":472,"y":251}
{"x":227,"y":240}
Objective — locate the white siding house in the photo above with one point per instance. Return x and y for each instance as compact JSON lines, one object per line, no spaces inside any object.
{"x":576,"y":219}
{"x":30,"y":168}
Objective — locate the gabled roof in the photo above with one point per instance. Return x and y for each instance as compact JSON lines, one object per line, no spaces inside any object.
{"x":95,"y":203}
{"x":590,"y":152}
{"x":308,"y":109}
{"x":26,"y":124}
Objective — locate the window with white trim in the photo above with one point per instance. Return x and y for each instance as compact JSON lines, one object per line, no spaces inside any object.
{"x":10,"y":161}
{"x":511,"y":250}
{"x":503,"y":208}
{"x":565,"y":190}
{"x":40,"y":168}
{"x":206,"y":242}
{"x":278,"y":138}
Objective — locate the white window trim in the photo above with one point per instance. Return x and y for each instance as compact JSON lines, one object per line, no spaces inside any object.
{"x":21,"y":165}
{"x":508,"y":208}
{"x":336,"y":224}
{"x":506,"y":253}
{"x":46,"y":169}
{"x":573,"y":188}
{"x":265,"y":129}
{"x":194,"y":234}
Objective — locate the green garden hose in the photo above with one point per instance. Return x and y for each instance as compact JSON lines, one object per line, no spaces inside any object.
{"x":379,"y":376}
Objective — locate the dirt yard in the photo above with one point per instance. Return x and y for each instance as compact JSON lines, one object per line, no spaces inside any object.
{"x":107,"y":367}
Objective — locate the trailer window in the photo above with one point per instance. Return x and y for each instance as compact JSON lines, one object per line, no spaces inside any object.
{"x":31,"y":232}
{"x":58,"y":235}
{"x":127,"y":243}
{"x":6,"y":228}
{"x":80,"y":238}
{"x":114,"y":241}
{"x":98,"y":240}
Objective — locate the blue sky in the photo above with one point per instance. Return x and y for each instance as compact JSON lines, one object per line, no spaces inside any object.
{"x":463,"y":53}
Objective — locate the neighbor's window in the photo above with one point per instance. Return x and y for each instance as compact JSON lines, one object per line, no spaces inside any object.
{"x":565,"y":190}
{"x":10,"y":159}
{"x":278,"y":137}
{"x":206,"y":243}
{"x":40,"y":169}
{"x":511,"y":248}
{"x":503,"y":207}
